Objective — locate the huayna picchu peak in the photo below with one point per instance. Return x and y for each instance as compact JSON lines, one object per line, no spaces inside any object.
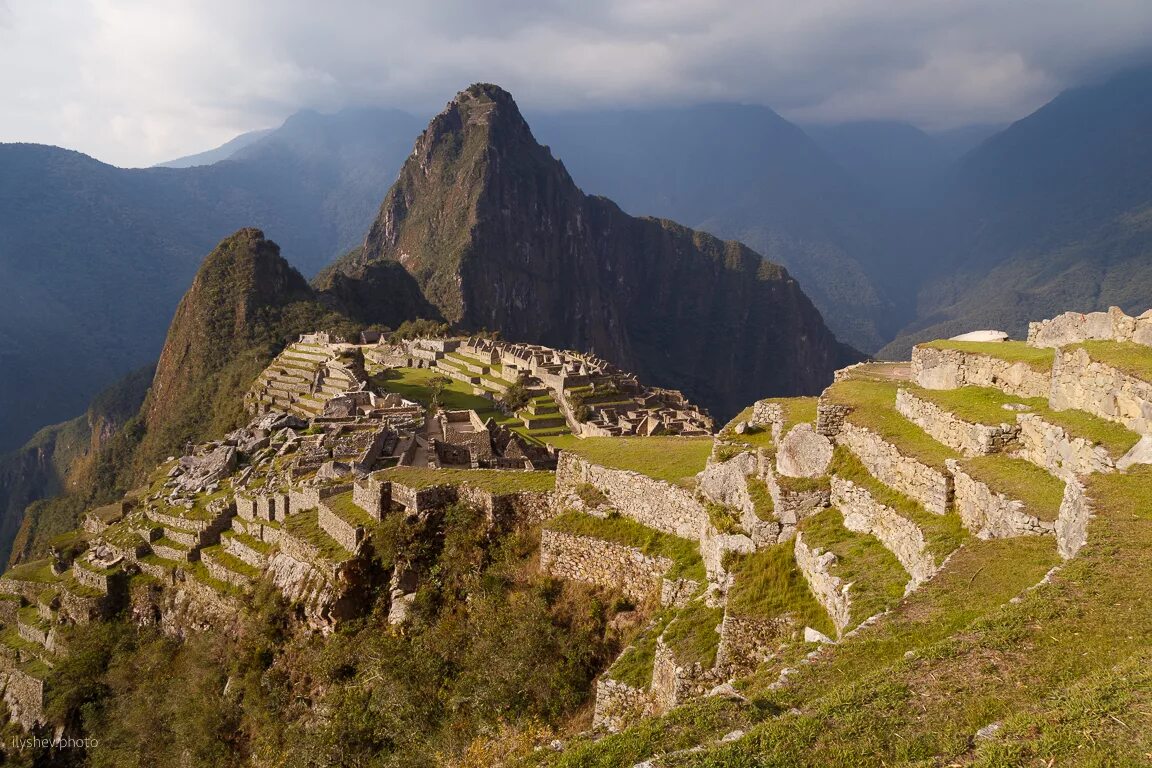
{"x":498,"y":237}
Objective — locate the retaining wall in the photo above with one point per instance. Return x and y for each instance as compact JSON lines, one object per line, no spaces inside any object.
{"x":863,"y":514}
{"x":951,"y":369}
{"x":966,"y":437}
{"x":932,"y":488}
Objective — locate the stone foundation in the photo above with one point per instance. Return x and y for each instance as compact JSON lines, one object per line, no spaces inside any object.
{"x":930,"y":487}
{"x":903,"y":538}
{"x":992,"y":515}
{"x":951,"y":369}
{"x":1080,"y":382}
{"x":966,"y":437}
{"x":747,"y":641}
{"x":618,"y":704}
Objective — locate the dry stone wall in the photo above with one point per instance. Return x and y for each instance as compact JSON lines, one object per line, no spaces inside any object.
{"x":651,"y":502}
{"x":746,"y":641}
{"x":966,"y":437}
{"x":950,"y":369}
{"x":1072,"y":523}
{"x":903,"y":538}
{"x":830,"y":590}
{"x":1074,"y":327}
{"x":673,"y":683}
{"x":992,"y":515}
{"x":343,"y":532}
{"x":1051,"y":447}
{"x":930,"y":487}
{"x":603,"y":563}
{"x":1080,"y":382}
{"x":618,"y":704}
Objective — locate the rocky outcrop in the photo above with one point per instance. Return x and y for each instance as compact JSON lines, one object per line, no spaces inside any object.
{"x":803,"y":452}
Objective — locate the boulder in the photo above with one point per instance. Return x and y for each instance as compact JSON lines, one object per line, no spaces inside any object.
{"x":1141,"y":453}
{"x":803,"y":452}
{"x":981,"y":336}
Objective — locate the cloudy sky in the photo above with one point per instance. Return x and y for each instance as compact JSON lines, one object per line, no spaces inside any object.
{"x":134,"y":82}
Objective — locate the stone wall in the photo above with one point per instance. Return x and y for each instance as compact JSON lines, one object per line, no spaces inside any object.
{"x":80,"y":609}
{"x":92,"y":579}
{"x":373,"y":495}
{"x":343,"y":532}
{"x":422,"y":500}
{"x":830,"y":417}
{"x":1072,"y":523}
{"x":1074,"y":327}
{"x":1051,"y":447}
{"x":238,"y":549}
{"x":931,"y":487}
{"x":618,"y":704}
{"x":968,"y":438}
{"x":950,"y":369}
{"x":673,"y":683}
{"x":830,"y":590}
{"x":1080,"y":382}
{"x":24,"y":696}
{"x":601,"y":562}
{"x":903,"y":538}
{"x":508,"y":510}
{"x":992,"y":515}
{"x":226,"y":575}
{"x":746,"y":641}
{"x":651,"y":502}
{"x":768,"y":415}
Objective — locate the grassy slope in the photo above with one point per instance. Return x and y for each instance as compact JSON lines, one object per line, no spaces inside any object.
{"x":673,"y":459}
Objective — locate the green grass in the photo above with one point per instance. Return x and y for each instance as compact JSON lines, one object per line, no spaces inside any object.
{"x":684,"y":554}
{"x":412,"y":384}
{"x":768,"y":584}
{"x":306,"y":527}
{"x":1021,"y":480}
{"x":692,"y":636}
{"x":675,"y":460}
{"x":761,"y":499}
{"x":634,"y":667}
{"x":496,"y":481}
{"x":39,"y":571}
{"x":978,"y":405}
{"x":348,"y":510}
{"x":231,"y":562}
{"x":1116,"y":439}
{"x":1037,"y":358}
{"x":984,"y":405}
{"x":874,"y":408}
{"x":1125,"y":356}
{"x":942,"y":533}
{"x":877,"y":577}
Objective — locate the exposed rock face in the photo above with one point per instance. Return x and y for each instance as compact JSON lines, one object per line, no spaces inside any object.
{"x":804,"y":452}
{"x":498,"y":236}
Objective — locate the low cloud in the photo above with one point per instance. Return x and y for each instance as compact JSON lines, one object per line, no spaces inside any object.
{"x":137,"y":81}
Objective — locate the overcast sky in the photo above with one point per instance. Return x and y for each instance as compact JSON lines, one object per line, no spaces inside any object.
{"x":134,"y":82}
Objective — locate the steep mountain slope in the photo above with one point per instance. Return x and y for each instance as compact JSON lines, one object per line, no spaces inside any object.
{"x":498,"y":236}
{"x":1053,"y":213}
{"x":743,"y":172}
{"x":94,"y":258}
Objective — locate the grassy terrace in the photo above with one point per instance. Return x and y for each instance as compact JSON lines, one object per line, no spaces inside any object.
{"x":761,"y":499}
{"x":942,"y":533}
{"x":876,"y":575}
{"x":673,"y":459}
{"x":492,"y":480}
{"x":985,"y":405}
{"x":39,"y":571}
{"x":768,"y":584}
{"x":874,"y":404}
{"x":412,"y":384}
{"x":692,"y":636}
{"x":684,"y":554}
{"x":348,"y":510}
{"x":1021,"y":480}
{"x":1037,"y":358}
{"x":1125,"y":356}
{"x":305,"y":526}
{"x":231,"y":562}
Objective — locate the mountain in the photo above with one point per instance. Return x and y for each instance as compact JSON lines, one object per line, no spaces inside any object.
{"x":498,"y":236}
{"x":93,"y":258}
{"x":898,"y":161}
{"x":1052,"y":214}
{"x":745,"y":173}
{"x":222,"y":152}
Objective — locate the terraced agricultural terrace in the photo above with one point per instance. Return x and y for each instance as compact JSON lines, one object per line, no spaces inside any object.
{"x":951,"y":549}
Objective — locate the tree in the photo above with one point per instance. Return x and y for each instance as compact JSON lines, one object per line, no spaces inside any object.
{"x":437,"y":385}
